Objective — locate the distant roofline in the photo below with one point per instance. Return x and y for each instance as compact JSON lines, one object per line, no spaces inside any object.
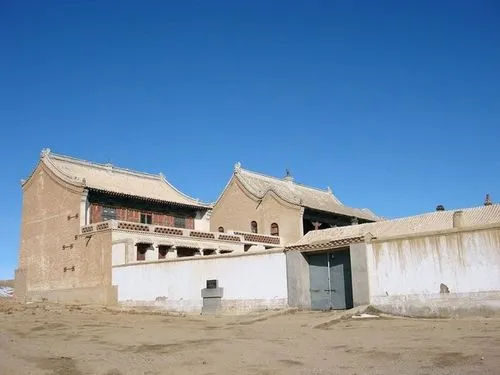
{"x":327,"y":190}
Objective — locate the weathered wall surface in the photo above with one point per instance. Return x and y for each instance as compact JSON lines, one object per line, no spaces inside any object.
{"x":359,"y":272}
{"x":405,"y":275}
{"x":48,"y":245}
{"x":298,"y":281}
{"x":250,"y":282}
{"x":236,"y":210}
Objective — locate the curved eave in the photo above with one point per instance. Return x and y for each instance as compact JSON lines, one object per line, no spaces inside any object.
{"x":56,"y":173}
{"x":149,"y":199}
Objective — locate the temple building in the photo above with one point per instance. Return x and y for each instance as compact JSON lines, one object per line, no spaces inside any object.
{"x":99,"y":234}
{"x":81,"y":219}
{"x":263,"y":204}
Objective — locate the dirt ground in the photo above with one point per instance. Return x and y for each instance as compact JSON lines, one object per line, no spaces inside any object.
{"x":51,"y":339}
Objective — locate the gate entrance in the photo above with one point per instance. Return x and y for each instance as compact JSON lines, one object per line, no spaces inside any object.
{"x":330,"y":278}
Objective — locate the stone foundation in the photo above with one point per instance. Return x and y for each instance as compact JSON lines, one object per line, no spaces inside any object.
{"x":445,"y":305}
{"x":104,"y":295}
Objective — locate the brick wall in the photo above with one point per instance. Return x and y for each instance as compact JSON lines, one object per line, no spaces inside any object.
{"x":190,"y":223}
{"x":95,"y":213}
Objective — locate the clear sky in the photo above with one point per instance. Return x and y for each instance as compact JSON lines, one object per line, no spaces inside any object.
{"x":394,"y":104}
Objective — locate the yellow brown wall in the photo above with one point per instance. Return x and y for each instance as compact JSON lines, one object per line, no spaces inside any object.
{"x":45,"y":229}
{"x":236,"y":209}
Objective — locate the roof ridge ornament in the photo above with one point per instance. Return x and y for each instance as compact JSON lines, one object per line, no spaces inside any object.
{"x":288,"y":175}
{"x":237,"y":166}
{"x":44,"y":152}
{"x":329,"y":190}
{"x":487,"y":200}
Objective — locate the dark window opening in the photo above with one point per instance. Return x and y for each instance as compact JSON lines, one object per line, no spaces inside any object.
{"x":275,"y":230}
{"x":146,"y":218}
{"x":141,"y":250}
{"x":180,"y":222}
{"x":186,"y":252}
{"x":221,"y":229}
{"x":225,"y":251}
{"x":162,"y":251}
{"x":209,"y":252}
{"x":108,"y":213}
{"x":246,"y":247}
{"x":253,"y":227}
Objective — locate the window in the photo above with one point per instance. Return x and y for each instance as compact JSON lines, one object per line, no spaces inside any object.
{"x":162,"y":251}
{"x":221,"y":229}
{"x":108,"y":213}
{"x":141,"y":250}
{"x":146,"y":218}
{"x":253,"y":227}
{"x":275,"y":230}
{"x":180,"y":222}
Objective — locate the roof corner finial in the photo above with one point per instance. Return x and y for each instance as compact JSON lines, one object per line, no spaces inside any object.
{"x":44,"y":152}
{"x":237,"y":166}
{"x":487,"y":200}
{"x":329,"y":189}
{"x":288,"y":175}
{"x":162,"y":176}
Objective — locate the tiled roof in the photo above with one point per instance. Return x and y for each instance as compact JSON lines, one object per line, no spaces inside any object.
{"x":433,"y":221}
{"x":290,"y":191}
{"x":324,"y":245}
{"x":106,"y":177}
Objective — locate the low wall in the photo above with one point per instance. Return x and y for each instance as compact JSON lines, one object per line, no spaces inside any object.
{"x":444,"y":274}
{"x":250,"y":282}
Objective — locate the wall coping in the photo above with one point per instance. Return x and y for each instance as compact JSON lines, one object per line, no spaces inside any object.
{"x":442,"y":232}
{"x":202,"y":258}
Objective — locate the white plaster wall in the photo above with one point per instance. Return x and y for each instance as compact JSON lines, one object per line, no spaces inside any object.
{"x":118,"y":253}
{"x":405,"y":274}
{"x":249,"y":282}
{"x":202,"y":221}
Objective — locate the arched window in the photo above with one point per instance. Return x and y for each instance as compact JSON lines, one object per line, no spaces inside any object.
{"x":221,"y":229}
{"x":275,"y":229}
{"x":253,"y":227}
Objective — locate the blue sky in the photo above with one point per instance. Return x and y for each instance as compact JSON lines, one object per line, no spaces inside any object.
{"x":395,"y":105}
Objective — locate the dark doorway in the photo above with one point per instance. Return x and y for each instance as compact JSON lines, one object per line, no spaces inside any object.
{"x":331,"y":280}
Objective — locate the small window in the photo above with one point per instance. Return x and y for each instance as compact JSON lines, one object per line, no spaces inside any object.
{"x":253,"y":227}
{"x":275,"y":230}
{"x":108,"y":213}
{"x":162,"y":251}
{"x":146,"y":218}
{"x":180,"y":222}
{"x":141,"y":250}
{"x":221,"y":229}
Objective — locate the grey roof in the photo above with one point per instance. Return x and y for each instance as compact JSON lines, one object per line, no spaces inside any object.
{"x":292,"y":192}
{"x":106,"y":177}
{"x":433,"y":221}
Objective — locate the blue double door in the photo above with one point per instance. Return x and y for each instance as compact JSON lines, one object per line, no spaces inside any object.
{"x":330,"y":280}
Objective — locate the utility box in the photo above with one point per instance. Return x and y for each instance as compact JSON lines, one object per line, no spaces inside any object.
{"x":212,"y":298}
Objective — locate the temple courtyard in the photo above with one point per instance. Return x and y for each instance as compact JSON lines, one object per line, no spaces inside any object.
{"x":53,"y":339}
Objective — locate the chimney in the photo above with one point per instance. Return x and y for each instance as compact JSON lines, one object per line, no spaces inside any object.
{"x":440,"y":207}
{"x":487,"y":200}
{"x":458,"y":219}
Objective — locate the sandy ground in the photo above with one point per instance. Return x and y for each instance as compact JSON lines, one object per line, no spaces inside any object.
{"x":51,"y":339}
